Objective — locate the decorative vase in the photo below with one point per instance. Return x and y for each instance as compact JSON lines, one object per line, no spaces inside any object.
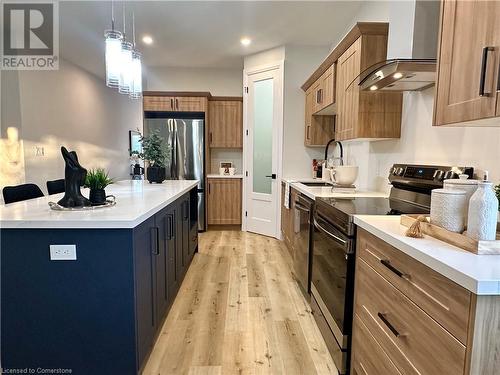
{"x":483,"y":208}
{"x":156,"y":174}
{"x":97,"y":196}
{"x":447,"y":209}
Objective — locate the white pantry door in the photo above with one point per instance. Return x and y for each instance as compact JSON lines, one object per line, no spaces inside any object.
{"x":264,"y":123}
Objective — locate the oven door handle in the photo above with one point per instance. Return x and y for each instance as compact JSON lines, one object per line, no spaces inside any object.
{"x":301,"y":207}
{"x":336,"y":238}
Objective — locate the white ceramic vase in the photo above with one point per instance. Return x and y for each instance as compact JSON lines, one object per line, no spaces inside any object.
{"x":483,"y":209}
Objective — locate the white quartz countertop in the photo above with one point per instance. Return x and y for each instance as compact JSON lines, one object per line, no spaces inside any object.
{"x":478,"y":273}
{"x":314,"y":192}
{"x":224,"y":176}
{"x":135,"y":202}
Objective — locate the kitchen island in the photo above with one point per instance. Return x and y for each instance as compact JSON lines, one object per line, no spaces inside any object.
{"x":100,"y":310}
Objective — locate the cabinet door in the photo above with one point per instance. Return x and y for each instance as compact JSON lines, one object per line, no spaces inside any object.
{"x":224,"y":201}
{"x":159,"y":103}
{"x":348,"y":68}
{"x":190,"y":104}
{"x":465,"y":66}
{"x":184,"y":205}
{"x":328,"y":86}
{"x":318,"y":129}
{"x":145,"y":285}
{"x":173,"y":276}
{"x":161,"y":261}
{"x":226,"y":124}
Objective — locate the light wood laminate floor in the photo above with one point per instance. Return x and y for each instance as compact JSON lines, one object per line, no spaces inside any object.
{"x":239,"y":311}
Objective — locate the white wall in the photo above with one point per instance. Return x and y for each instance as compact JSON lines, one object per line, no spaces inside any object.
{"x":420,"y":142}
{"x":219,"y":82}
{"x":300,"y":62}
{"x":69,"y":107}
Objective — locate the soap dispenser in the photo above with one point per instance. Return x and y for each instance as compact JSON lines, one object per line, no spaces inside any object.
{"x":483,"y":208}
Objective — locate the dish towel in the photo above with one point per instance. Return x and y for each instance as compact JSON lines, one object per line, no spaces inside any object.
{"x":287,"y":195}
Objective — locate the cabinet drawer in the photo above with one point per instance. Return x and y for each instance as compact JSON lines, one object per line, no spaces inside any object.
{"x":445,"y":301}
{"x":414,"y":341}
{"x":368,"y":358}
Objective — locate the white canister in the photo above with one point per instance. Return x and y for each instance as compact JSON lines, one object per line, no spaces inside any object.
{"x":483,"y":208}
{"x":462,"y":183}
{"x":447,"y":209}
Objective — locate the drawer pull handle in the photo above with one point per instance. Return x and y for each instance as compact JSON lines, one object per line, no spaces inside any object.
{"x":389,"y":325}
{"x":388,"y":264}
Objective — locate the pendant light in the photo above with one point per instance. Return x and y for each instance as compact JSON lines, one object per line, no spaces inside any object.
{"x":113,"y":42}
{"x":136,"y":71}
{"x":125,"y":81}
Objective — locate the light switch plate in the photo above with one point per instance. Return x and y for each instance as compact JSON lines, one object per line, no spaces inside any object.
{"x":62,"y":252}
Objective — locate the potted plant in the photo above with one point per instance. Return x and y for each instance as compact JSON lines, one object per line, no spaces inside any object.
{"x":497,"y":192}
{"x":155,"y":152}
{"x":97,"y":180}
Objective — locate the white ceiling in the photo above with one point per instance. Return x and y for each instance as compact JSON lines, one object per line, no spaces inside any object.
{"x":200,"y":34}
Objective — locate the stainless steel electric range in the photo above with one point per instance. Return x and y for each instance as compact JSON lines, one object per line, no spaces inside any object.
{"x":334,"y":245}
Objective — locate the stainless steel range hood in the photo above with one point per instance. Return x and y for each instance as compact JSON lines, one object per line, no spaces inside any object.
{"x":413,"y":33}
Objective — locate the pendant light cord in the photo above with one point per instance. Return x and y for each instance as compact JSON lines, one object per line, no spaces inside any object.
{"x":112,"y":16}
{"x":124,"y":21}
{"x":133,"y":28}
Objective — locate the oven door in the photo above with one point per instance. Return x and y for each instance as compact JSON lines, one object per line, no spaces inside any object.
{"x":333,"y":277}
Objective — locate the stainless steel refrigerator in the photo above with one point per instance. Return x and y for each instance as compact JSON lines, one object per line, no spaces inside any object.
{"x":185,"y":135}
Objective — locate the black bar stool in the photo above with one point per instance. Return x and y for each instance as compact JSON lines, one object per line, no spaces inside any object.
{"x":19,"y":193}
{"x":55,"y":186}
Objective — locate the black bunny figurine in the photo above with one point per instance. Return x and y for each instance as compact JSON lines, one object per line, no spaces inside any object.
{"x":74,"y":177}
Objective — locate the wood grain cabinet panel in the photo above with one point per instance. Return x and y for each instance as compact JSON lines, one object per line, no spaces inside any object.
{"x":318,"y":129}
{"x":159,"y":103}
{"x":467,"y":28}
{"x":191,"y":104}
{"x":368,"y":356}
{"x":226,"y":124}
{"x":445,"y":301}
{"x":414,"y":341}
{"x":224,"y":201}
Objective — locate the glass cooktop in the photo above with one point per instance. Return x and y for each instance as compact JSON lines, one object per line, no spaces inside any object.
{"x":372,"y":206}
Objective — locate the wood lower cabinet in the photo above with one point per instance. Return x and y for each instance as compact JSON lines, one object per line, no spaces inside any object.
{"x":226,"y":123}
{"x":287,"y":219}
{"x":224,"y":201}
{"x":409,"y":319}
{"x":467,"y":86}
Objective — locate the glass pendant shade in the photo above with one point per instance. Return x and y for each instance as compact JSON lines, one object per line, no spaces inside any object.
{"x":125,"y":84}
{"x":113,"y":41}
{"x":136,"y":89}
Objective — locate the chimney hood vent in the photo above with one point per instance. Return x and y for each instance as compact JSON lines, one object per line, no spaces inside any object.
{"x":411,"y":48}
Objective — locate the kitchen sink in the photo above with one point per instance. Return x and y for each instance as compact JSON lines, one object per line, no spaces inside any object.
{"x":317,"y":184}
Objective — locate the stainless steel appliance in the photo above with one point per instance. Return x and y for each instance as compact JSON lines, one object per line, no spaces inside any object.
{"x":334,"y":245}
{"x":302,"y":220}
{"x":184,"y":133}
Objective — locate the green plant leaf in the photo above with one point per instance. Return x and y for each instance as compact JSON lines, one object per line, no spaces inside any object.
{"x":155,"y":150}
{"x":97,"y":179}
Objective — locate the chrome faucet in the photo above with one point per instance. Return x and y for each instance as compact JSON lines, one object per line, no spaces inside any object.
{"x":341,"y":158}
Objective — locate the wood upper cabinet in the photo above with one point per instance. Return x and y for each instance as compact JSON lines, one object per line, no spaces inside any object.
{"x":175,"y":103}
{"x":226,"y":123}
{"x":159,"y":103}
{"x":224,"y":201}
{"x":365,"y":114}
{"x":318,"y":129}
{"x":467,"y":86}
{"x":324,"y":93}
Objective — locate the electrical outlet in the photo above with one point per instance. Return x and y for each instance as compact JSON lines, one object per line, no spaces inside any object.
{"x":62,"y":252}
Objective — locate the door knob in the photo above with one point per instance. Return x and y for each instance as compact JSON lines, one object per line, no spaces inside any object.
{"x":273,"y":176}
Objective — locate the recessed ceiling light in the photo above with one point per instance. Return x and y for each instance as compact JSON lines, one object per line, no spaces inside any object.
{"x":245,"y":41}
{"x":147,"y":39}
{"x":373,"y":88}
{"x":398,"y":75}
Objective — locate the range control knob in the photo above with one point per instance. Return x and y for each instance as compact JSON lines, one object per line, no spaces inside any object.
{"x":399,"y":171}
{"x":438,"y":175}
{"x":449,"y":175}
{"x":392,"y":171}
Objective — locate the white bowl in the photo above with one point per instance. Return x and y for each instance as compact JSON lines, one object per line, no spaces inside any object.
{"x":345,"y":175}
